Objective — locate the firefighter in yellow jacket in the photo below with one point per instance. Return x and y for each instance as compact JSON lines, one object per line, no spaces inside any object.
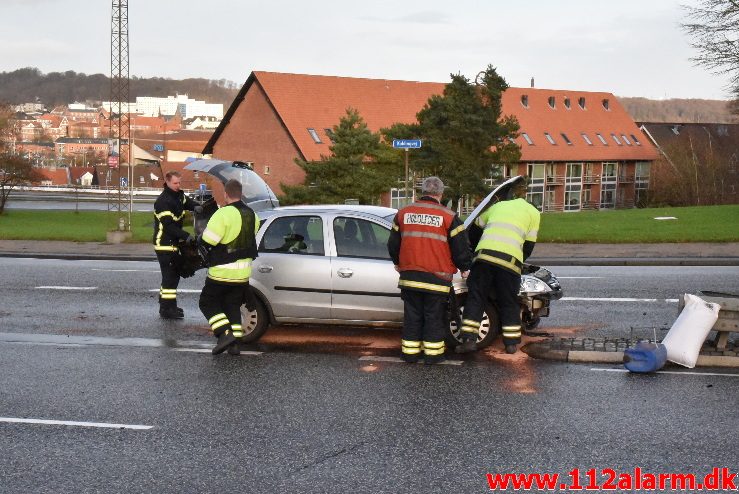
{"x":509,"y":230}
{"x":228,"y":246}
{"x":427,"y":244}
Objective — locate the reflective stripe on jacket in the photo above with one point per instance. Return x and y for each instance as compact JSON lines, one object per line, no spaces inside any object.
{"x":428,"y":243}
{"x":506,"y":225}
{"x":169,"y":211}
{"x":225,"y":228}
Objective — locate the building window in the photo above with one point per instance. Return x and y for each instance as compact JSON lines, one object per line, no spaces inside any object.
{"x":581,"y":102}
{"x":552,"y":102}
{"x":636,"y":141}
{"x":606,"y":104}
{"x":626,"y":140}
{"x":675,"y":130}
{"x":615,"y":138}
{"x":527,"y":139}
{"x":266,"y":169}
{"x":586,"y":139}
{"x":535,"y":194}
{"x":397,"y":198}
{"x":602,"y":140}
{"x":315,"y":136}
{"x":567,"y":139}
{"x":550,"y":138}
{"x":573,"y":187}
{"x":330,"y":134}
{"x":525,"y":101}
{"x":567,"y":102}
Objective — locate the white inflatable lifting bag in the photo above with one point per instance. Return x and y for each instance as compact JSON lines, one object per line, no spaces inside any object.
{"x":689,"y":331}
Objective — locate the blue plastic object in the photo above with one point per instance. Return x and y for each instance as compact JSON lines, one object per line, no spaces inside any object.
{"x":645,"y":357}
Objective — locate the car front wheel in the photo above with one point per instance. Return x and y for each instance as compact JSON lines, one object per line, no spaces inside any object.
{"x":489,"y":326}
{"x":254,"y":322}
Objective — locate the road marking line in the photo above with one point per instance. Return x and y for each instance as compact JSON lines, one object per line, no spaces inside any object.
{"x":180,"y":290}
{"x":208,"y":350}
{"x":672,"y":372}
{"x":619,"y":299}
{"x":580,"y":277}
{"x":66,"y":288}
{"x":126,"y":270}
{"x":376,"y":358}
{"x":11,"y":420}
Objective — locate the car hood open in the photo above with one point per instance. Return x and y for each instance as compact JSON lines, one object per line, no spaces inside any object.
{"x":256,"y":193}
{"x":500,"y":193}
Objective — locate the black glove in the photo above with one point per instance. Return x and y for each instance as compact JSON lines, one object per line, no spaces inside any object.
{"x":190,"y":240}
{"x":198,"y":209}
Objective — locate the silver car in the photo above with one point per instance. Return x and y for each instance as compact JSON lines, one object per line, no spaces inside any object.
{"x":330,"y":265}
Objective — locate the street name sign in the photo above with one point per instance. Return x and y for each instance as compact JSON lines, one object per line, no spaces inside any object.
{"x":407,"y":143}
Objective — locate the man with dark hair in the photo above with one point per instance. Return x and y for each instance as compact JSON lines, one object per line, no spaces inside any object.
{"x":509,"y":230}
{"x":427,"y":244}
{"x":229,"y":247}
{"x":169,"y":211}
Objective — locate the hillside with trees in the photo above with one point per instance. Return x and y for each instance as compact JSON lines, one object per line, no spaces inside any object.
{"x":60,"y":88}
{"x":679,"y":110}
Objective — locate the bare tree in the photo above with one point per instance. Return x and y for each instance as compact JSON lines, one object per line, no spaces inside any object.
{"x":713,"y":26}
{"x":14,"y":170}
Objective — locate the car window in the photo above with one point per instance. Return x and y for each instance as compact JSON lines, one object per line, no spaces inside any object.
{"x":294,"y":235}
{"x":360,"y":238}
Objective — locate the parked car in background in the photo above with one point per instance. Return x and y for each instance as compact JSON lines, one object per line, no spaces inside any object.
{"x":329,"y":265}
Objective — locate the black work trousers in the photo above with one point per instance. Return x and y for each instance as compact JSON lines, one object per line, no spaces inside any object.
{"x":221,"y":303}
{"x":488,"y":281}
{"x":424,"y":324}
{"x":170,"y":279}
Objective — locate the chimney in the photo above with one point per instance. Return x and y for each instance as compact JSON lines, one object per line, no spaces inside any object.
{"x":532,"y":82}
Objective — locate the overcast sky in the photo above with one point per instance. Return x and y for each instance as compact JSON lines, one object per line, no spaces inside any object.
{"x":629,"y":48}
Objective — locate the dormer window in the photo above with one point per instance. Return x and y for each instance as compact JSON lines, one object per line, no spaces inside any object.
{"x":615,"y":138}
{"x":550,"y":138}
{"x":330,"y":134}
{"x":606,"y":104}
{"x":626,"y":140}
{"x":525,"y":101}
{"x":586,"y":139}
{"x":552,"y":102}
{"x":567,"y":139}
{"x":581,"y":102}
{"x":675,"y":130}
{"x":636,"y":141}
{"x":527,"y":138}
{"x":601,"y":139}
{"x":315,"y":136}
{"x":567,"y":102}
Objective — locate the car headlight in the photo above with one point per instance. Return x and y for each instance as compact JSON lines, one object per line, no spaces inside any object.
{"x":529,"y":284}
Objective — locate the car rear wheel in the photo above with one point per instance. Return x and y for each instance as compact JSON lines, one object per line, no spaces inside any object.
{"x":254,"y":322}
{"x":489,"y":326}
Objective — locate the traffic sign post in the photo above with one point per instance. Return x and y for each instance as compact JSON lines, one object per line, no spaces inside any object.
{"x":407,"y":144}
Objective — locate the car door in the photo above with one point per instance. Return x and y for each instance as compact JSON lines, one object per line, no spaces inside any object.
{"x":364,"y":281}
{"x":292,"y":269}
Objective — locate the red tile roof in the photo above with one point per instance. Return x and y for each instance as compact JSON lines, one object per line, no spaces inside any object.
{"x":57,"y":176}
{"x":318,"y":102}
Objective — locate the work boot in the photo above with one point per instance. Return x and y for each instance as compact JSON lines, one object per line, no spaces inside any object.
{"x":511,"y":349}
{"x":225,"y":340}
{"x":466,"y":346}
{"x":410,"y":359}
{"x":182,"y":312}
{"x":168,"y":312}
{"x":235,"y":349}
{"x":433,"y":359}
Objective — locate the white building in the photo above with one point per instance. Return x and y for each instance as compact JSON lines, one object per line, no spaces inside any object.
{"x":149,"y":106}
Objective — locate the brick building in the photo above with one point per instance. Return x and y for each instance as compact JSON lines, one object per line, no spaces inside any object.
{"x":581,"y":149}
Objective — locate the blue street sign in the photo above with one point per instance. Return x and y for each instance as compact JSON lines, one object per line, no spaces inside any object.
{"x":407,"y":143}
{"x":158,"y":147}
{"x":202,"y":188}
{"x":124,"y":182}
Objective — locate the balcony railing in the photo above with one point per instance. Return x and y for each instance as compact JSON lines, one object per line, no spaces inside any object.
{"x":555,"y":180}
{"x":625,"y":204}
{"x":553,"y":206}
{"x":590,"y":205}
{"x":591,"y":179}
{"x":626,"y":179}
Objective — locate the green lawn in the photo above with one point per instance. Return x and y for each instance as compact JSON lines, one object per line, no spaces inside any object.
{"x":694,"y":224}
{"x":85,"y":226}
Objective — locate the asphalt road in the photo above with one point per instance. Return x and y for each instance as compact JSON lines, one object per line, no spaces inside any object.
{"x":318,"y":410}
